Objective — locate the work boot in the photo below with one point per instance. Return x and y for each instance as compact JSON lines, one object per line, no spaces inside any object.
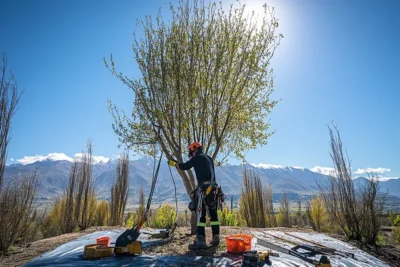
{"x":199,"y":244}
{"x":215,"y":240}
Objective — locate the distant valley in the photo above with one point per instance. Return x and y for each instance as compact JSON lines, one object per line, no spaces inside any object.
{"x":297,"y":182}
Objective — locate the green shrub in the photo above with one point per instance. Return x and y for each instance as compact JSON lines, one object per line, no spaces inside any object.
{"x":396,"y":221}
{"x":228,"y":218}
{"x":381,"y":240}
{"x":130,"y":220}
{"x":163,"y":218}
{"x":396,"y":232}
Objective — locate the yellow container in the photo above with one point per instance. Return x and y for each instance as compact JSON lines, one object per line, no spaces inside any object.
{"x":96,"y":251}
{"x":119,"y":250}
{"x":134,"y":248}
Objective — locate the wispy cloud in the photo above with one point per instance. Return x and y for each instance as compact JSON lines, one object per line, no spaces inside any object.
{"x":96,"y":159}
{"x":323,"y":170}
{"x":52,"y":156}
{"x":384,"y":179}
{"x":372,"y":170}
{"x":11,"y":159}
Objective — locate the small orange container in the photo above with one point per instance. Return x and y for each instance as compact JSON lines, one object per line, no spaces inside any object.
{"x":238,"y":243}
{"x":104,"y":240}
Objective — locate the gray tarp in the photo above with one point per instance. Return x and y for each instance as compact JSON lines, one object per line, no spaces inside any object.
{"x":70,"y":253}
{"x":361,"y":259}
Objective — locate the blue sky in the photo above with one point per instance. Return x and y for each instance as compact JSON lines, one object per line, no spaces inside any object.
{"x":339,"y":60}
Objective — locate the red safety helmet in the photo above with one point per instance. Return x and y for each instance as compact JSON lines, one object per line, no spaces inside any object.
{"x":193,"y":147}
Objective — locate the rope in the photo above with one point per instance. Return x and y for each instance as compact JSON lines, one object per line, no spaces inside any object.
{"x":153,"y":185}
{"x":172,"y":177}
{"x":176,"y":199}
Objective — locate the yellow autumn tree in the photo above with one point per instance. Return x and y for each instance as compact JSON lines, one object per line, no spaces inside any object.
{"x":102,"y":213}
{"x":319,"y":215}
{"x":52,"y":224}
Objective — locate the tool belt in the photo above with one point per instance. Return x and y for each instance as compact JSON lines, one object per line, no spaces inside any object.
{"x":211,"y":194}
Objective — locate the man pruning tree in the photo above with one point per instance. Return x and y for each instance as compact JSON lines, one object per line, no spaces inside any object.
{"x":207,"y":77}
{"x":207,"y":193}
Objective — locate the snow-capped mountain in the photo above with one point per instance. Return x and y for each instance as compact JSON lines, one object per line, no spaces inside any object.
{"x":54,"y":174}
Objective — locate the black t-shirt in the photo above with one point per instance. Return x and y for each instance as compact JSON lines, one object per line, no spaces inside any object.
{"x":203,"y":167}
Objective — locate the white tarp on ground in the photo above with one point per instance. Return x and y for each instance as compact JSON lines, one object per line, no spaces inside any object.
{"x":361,"y":258}
{"x":70,"y":253}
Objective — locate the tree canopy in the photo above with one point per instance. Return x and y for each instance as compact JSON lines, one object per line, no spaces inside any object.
{"x":205,"y":76}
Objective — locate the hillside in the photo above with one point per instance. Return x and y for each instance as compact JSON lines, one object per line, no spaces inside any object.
{"x":53,"y":178}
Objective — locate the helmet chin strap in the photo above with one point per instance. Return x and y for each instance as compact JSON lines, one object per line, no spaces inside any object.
{"x":192,"y":154}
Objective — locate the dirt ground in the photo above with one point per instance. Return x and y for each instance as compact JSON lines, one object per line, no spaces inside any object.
{"x":25,"y":254}
{"x":22,"y":255}
{"x":389,"y":253}
{"x":177,"y":246}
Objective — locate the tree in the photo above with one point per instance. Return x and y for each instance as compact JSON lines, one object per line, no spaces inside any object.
{"x":283,"y":215}
{"x":252,"y":207}
{"x":69,"y":223}
{"x":85,"y":196}
{"x":141,"y":208}
{"x":307,"y":218}
{"x":373,"y":206}
{"x":17,"y":212}
{"x":342,"y":202}
{"x":358,"y":211}
{"x":298,"y":217}
{"x":318,"y":214}
{"x":269,"y":207}
{"x":102,"y":213}
{"x":205,"y":77}
{"x":9,"y":98}
{"x":119,"y":191}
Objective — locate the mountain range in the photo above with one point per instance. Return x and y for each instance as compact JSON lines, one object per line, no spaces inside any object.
{"x":53,"y":178}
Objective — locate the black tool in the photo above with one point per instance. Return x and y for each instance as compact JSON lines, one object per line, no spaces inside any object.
{"x":132,"y":235}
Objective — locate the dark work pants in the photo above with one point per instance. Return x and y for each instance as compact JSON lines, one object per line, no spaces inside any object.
{"x":212,"y":208}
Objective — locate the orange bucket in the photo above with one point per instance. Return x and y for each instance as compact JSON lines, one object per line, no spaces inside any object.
{"x":104,"y":240}
{"x":238,"y":243}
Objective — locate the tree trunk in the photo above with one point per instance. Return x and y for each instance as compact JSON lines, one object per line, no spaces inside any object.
{"x":190,"y":185}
